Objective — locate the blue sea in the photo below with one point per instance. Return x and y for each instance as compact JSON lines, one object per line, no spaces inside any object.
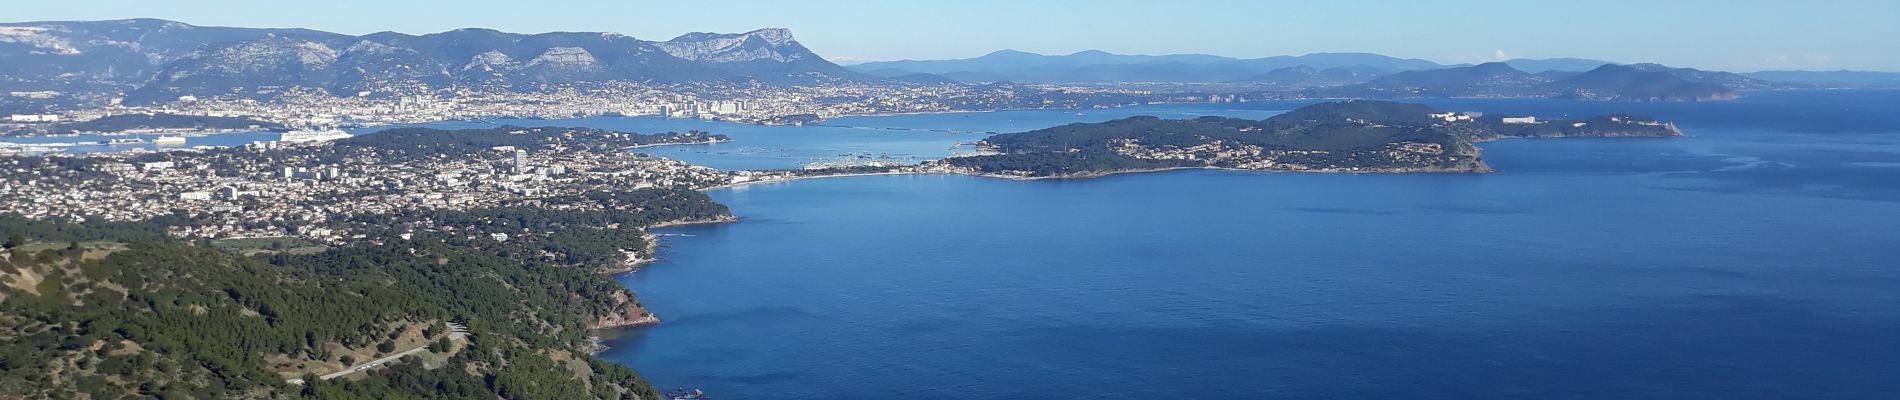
{"x":1757,"y":258}
{"x":897,"y":138}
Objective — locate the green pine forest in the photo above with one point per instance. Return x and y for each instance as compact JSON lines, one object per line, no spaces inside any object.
{"x":120,"y":310}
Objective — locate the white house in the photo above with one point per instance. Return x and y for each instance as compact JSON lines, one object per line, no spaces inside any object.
{"x":33,"y":118}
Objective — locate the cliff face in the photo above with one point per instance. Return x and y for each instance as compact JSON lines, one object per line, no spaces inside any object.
{"x":629,"y":313}
{"x":649,"y":247}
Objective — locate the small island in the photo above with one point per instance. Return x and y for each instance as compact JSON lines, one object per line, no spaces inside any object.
{"x":1346,"y":136}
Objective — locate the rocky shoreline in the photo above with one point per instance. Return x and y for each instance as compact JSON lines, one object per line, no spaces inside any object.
{"x":636,"y":314}
{"x":652,"y":245}
{"x":1477,"y":168}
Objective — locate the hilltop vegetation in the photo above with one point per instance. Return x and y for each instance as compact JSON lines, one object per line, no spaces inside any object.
{"x":594,"y":229}
{"x":119,"y":310}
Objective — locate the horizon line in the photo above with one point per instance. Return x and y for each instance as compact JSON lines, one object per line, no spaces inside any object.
{"x":854,"y":61}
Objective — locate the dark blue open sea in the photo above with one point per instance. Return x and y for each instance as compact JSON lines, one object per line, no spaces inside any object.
{"x":1758,"y":258}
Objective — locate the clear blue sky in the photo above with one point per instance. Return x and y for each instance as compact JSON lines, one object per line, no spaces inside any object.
{"x":1742,"y":35}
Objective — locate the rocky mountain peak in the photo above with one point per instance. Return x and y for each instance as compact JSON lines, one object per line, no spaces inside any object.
{"x":775,"y":44}
{"x":163,"y":60}
{"x":266,"y":52}
{"x":564,"y":56}
{"x":38,"y":37}
{"x":775,"y":36}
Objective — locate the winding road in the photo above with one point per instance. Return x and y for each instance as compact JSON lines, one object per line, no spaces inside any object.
{"x":457,"y":332}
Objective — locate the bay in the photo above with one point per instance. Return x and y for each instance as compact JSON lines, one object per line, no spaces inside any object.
{"x":1753,"y":259}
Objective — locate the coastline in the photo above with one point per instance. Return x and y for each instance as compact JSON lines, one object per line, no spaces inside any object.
{"x":645,"y":317}
{"x":687,"y":222}
{"x":642,"y":146}
{"x":1099,"y":174}
{"x":750,"y":183}
{"x":652,"y":245}
{"x":1484,"y":169}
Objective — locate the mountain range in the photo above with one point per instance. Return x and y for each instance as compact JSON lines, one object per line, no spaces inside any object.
{"x":1100,"y":66}
{"x":1842,"y":78}
{"x":1305,"y":71}
{"x":151,"y":60}
{"x":1644,"y":82}
{"x":157,"y":60}
{"x":1350,"y":75}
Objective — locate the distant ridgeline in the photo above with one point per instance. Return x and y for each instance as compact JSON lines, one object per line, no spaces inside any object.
{"x":118,"y":309}
{"x":153,"y":60}
{"x":1639,"y":82}
{"x":1350,"y":136}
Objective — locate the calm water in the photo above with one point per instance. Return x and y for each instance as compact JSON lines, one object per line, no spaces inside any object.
{"x":899,"y":138}
{"x":1755,"y":259}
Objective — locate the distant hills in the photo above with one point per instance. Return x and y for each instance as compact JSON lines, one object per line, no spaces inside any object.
{"x":1841,"y":78}
{"x":158,"y":60}
{"x":1645,"y":82}
{"x":1307,"y":76}
{"x":1482,"y":80}
{"x":1345,"y":69}
{"x":152,"y":61}
{"x":1342,"y":75}
{"x":1099,"y":66}
{"x":1539,"y":66}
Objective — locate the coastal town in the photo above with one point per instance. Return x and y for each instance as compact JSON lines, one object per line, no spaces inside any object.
{"x":310,"y":186}
{"x":299,"y":186}
{"x":739,"y":103}
{"x":282,"y":189}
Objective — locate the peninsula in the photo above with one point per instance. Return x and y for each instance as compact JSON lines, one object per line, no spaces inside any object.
{"x":1346,"y":136}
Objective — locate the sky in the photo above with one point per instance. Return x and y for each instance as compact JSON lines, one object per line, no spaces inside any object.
{"x":1736,"y":35}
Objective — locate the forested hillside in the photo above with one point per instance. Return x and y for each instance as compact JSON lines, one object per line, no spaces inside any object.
{"x":121,"y":312}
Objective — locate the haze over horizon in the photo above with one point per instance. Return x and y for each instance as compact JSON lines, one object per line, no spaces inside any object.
{"x":1736,"y":36}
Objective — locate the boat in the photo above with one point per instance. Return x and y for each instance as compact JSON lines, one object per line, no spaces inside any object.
{"x":169,"y":140}
{"x":125,"y":141}
{"x":303,"y":136}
